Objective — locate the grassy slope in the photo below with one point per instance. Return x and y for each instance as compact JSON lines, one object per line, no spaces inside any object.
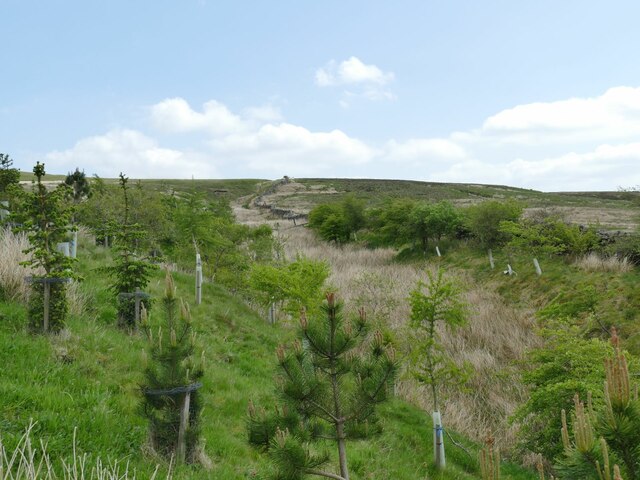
{"x":375,"y":190}
{"x":89,"y":379}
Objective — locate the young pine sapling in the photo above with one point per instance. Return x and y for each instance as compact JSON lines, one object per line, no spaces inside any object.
{"x":332,"y":379}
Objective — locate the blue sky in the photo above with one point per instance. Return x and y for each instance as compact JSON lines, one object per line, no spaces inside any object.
{"x":541,"y":94}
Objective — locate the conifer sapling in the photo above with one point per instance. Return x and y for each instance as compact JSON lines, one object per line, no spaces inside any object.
{"x":172,"y":374}
{"x":331,"y":380}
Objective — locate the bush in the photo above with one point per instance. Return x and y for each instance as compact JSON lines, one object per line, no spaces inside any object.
{"x":566,"y":365}
{"x":483,"y":221}
{"x":550,"y":236}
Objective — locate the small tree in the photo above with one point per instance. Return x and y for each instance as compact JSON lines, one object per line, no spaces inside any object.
{"x":293,"y":286}
{"x":8,"y":175}
{"x":171,"y":400}
{"x":483,"y":220}
{"x":435,"y":304}
{"x":79,"y":183}
{"x":45,"y":216}
{"x":331,"y":381}
{"x":130,"y":271}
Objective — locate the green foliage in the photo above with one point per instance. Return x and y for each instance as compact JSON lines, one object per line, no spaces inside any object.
{"x":293,"y":286}
{"x":567,"y":365}
{"x":391,"y":224}
{"x":338,"y":221}
{"x":8,"y":176}
{"x":332,"y":379}
{"x":434,"y":303}
{"x":607,"y":435}
{"x":209,"y":228}
{"x":100,"y":210}
{"x":551,"y":236}
{"x":483,"y":220}
{"x":45,"y":216}
{"x":130,"y":270}
{"x":171,"y":364}
{"x":434,"y":221}
{"x":79,"y":183}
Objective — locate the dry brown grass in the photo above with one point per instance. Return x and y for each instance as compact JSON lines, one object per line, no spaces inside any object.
{"x":597,"y":263}
{"x":31,"y":462}
{"x":12,"y":284}
{"x":12,"y":274}
{"x":496,"y":336}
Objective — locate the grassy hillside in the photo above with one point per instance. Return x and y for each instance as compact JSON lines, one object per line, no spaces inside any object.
{"x":87,"y":378}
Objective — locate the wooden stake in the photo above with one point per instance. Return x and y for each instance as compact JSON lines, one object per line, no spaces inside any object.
{"x":537,"y":265}
{"x":491,"y":262}
{"x":438,"y":441}
{"x":272,"y":313}
{"x":47,"y":296}
{"x":438,"y":251}
{"x":184,"y":423}
{"x":137,"y":307}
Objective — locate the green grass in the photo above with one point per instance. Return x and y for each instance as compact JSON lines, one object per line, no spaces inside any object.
{"x":89,"y":380}
{"x":594,"y":300}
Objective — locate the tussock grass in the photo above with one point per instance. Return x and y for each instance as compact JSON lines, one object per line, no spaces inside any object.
{"x":27,"y":461}
{"x":594,"y":262}
{"x":12,"y":275}
{"x":12,"y":284}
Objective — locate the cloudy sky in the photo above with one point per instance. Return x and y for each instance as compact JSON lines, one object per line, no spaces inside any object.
{"x":542,"y":94}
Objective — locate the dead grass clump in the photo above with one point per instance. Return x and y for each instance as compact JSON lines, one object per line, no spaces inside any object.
{"x":29,"y":462}
{"x":12,"y":274}
{"x":596,"y":263}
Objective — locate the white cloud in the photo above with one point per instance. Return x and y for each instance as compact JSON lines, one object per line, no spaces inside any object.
{"x":351,"y":71}
{"x":614,"y":114}
{"x":369,"y":80}
{"x":293,"y":150}
{"x":133,"y":153}
{"x":174,"y":115}
{"x":574,"y":144}
{"x":417,"y":149}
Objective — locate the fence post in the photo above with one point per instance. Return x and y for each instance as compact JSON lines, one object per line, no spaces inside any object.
{"x":182,"y":431}
{"x":46,"y":300}
{"x":272,"y":313}
{"x":438,"y":251}
{"x":491,"y":262}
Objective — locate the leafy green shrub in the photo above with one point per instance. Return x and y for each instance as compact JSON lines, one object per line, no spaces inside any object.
{"x":483,"y":220}
{"x":338,"y":221}
{"x":293,"y":286}
{"x":564,"y":366}
{"x":550,"y":236}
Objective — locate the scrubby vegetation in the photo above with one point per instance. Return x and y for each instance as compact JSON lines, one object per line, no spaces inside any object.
{"x":507,"y":363}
